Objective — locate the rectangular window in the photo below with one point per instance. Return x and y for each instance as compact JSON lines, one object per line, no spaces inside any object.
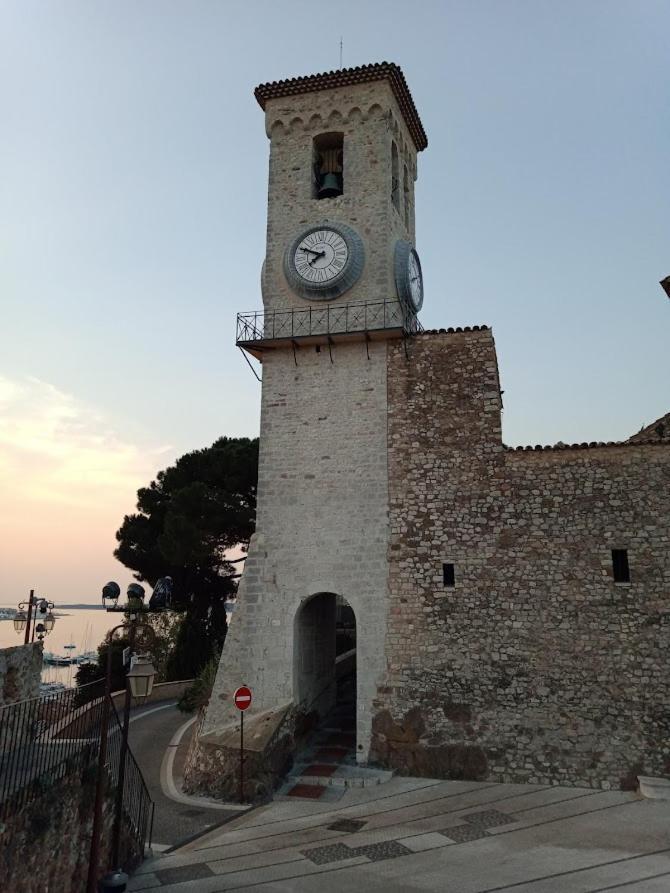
{"x":620,"y":567}
{"x":448,"y":575}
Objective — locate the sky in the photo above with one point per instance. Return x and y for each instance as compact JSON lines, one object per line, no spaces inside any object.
{"x":133,"y":185}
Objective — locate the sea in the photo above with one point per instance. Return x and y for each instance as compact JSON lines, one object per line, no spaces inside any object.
{"x":85,"y":628}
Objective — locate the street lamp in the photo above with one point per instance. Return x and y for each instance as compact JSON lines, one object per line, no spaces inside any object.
{"x":140,"y":678}
{"x":38,"y":618}
{"x":139,"y":684}
{"x":20,"y":621}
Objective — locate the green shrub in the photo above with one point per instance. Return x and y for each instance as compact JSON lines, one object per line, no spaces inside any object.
{"x":198,"y":694}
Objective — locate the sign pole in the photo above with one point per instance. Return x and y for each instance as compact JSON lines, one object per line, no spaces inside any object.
{"x":242,"y":700}
{"x":242,"y":757}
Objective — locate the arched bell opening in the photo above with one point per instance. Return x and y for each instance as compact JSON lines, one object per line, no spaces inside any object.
{"x":324,"y":660}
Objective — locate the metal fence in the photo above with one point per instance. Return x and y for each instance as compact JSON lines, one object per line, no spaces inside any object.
{"x":48,"y":739}
{"x":370,"y":316}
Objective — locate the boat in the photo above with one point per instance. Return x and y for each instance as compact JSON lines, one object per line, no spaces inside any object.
{"x":57,"y":660}
{"x":51,"y":688}
{"x":88,"y":657}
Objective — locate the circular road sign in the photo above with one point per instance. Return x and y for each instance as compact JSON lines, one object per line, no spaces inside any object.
{"x":242,"y":697}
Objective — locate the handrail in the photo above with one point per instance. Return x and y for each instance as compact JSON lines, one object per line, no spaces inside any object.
{"x":307,"y":322}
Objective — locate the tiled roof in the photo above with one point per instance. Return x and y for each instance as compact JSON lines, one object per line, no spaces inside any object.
{"x":454,"y":330}
{"x":592,"y":445}
{"x":363,"y":74}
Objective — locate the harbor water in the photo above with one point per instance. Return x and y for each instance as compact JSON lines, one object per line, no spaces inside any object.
{"x":85,"y":628}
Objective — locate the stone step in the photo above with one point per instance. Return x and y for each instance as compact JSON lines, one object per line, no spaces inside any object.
{"x":654,"y":788}
{"x":334,"y":775}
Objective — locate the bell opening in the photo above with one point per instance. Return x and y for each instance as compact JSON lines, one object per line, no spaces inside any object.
{"x":328,"y":165}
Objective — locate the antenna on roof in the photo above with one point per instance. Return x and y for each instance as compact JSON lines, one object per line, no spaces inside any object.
{"x":340,"y":52}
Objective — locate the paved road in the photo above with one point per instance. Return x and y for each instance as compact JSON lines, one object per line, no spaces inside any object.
{"x":422,"y":834}
{"x":151,"y":731}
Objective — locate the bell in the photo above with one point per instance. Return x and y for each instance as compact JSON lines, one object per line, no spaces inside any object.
{"x":330,"y":186}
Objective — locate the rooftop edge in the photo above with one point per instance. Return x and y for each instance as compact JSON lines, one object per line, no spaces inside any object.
{"x":344,"y":77}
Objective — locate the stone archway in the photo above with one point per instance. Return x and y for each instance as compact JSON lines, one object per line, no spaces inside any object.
{"x":324,"y":658}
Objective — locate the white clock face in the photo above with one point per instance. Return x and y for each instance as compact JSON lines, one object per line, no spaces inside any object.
{"x":415,"y":280}
{"x":321,"y":256}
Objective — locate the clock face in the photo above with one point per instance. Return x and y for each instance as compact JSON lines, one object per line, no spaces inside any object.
{"x":324,"y":261}
{"x":321,"y":256}
{"x":408,"y":276}
{"x":415,"y":280}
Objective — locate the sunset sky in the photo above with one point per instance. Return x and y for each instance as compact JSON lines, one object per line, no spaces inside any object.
{"x":132,"y":227}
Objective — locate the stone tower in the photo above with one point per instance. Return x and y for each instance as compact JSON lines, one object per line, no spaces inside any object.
{"x":340,"y":281}
{"x":511,"y":605}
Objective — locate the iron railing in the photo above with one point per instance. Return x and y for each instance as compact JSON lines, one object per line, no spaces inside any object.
{"x":48,"y":739}
{"x":371,"y":316}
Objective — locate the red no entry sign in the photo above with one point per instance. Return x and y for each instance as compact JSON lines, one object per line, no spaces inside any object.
{"x":242,"y":698}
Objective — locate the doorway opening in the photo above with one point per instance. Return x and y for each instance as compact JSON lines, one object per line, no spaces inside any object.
{"x":325,"y":661}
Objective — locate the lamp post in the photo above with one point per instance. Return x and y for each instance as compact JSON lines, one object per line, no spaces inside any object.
{"x":34,"y":617}
{"x":139,"y":682}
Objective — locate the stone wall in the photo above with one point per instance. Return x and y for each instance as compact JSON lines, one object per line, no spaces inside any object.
{"x":535,"y":666}
{"x":20,"y":672}
{"x":45,"y":846}
{"x":322,"y":524}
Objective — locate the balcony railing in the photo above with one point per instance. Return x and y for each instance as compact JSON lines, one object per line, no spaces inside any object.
{"x":344,"y":319}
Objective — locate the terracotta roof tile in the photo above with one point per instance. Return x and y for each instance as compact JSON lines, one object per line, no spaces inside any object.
{"x":363,"y":74}
{"x":453,"y":331}
{"x":592,"y":445}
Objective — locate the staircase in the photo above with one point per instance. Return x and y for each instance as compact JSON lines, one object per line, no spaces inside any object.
{"x":327,"y":765}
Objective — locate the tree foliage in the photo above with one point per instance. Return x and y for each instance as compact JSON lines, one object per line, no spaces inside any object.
{"x":187,"y":520}
{"x":97,"y":671}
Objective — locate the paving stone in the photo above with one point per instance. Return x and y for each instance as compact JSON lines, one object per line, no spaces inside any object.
{"x":143,"y":882}
{"x":462,"y":833}
{"x":348,"y":825}
{"x":184,"y":873}
{"x":488,"y":818}
{"x":387,"y":849}
{"x":321,"y":855}
{"x":419,"y":843}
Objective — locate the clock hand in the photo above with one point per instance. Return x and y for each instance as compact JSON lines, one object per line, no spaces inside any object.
{"x":314,"y":259}
{"x":311,"y":251}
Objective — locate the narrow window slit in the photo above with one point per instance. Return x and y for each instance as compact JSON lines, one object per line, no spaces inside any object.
{"x":620,"y":568}
{"x":448,"y":575}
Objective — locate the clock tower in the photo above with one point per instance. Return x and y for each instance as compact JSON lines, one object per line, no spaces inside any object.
{"x":341,"y":286}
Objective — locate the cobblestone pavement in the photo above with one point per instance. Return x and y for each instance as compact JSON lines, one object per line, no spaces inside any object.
{"x":422,"y":834}
{"x":151,"y":731}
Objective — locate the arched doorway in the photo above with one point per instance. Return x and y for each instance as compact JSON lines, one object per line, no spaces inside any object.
{"x":324,"y":660}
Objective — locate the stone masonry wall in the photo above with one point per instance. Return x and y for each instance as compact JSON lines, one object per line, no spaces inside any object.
{"x":536,"y":666}
{"x":45,"y":846}
{"x":370,"y":119}
{"x":322,"y":524}
{"x":20,"y":671}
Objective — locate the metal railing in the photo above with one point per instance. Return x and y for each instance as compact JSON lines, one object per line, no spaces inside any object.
{"x":48,"y":739}
{"x":137,"y":805}
{"x":371,"y":316}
